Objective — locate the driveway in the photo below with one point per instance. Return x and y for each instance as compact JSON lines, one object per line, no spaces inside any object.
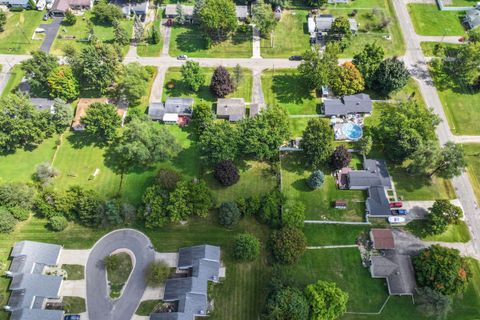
{"x":99,"y":305}
{"x":51,"y":31}
{"x":419,"y":209}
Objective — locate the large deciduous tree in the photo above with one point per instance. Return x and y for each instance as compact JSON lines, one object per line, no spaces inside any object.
{"x":340,"y":32}
{"x":246,"y":247}
{"x":37,"y":69}
{"x":450,"y":162}
{"x":220,"y":142}
{"x":132,"y":83}
{"x":263,"y":17}
{"x":464,"y":66}
{"x":317,"y":141}
{"x":441,"y":215}
{"x":222,"y":83}
{"x":288,"y":245}
{"x":106,"y":13}
{"x":340,"y":158}
{"x":326,"y":300}
{"x":63,"y":84}
{"x":87,"y":206}
{"x":318,"y":68}
{"x":218,"y":18}
{"x":442,"y":269}
{"x":226,"y":173}
{"x":368,"y":60}
{"x":391,"y":75}
{"x":192,"y":75}
{"x":347,"y":80}
{"x":101,"y":121}
{"x":287,"y":304}
{"x":202,"y":117}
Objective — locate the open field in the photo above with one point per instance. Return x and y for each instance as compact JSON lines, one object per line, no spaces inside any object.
{"x":333,"y":234}
{"x":430,"y":48}
{"x":297,"y":126}
{"x":191,"y":41}
{"x":180,"y":89}
{"x":455,"y":232}
{"x":285,"y":88}
{"x":428,"y":20}
{"x":79,"y":31}
{"x":17,"y":37}
{"x":319,"y":203}
{"x":472,"y":155}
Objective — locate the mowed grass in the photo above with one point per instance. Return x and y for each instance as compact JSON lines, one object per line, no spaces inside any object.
{"x":119,"y":273}
{"x":460,"y":104}
{"x":79,"y":31}
{"x":146,"y":307}
{"x":319,"y":204}
{"x":16,"y":76}
{"x":74,"y":304}
{"x":285,"y":87}
{"x":290,"y":36}
{"x":430,"y":49}
{"x":17,"y":37}
{"x":455,"y":233}
{"x":148,"y":49}
{"x":191,"y":41}
{"x":204,"y":94}
{"x":297,"y":126}
{"x":428,"y":20}
{"x":472,"y":155}
{"x":332,"y":234}
{"x":74,"y":271}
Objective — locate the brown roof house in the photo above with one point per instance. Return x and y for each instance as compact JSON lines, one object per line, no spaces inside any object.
{"x":60,"y":7}
{"x":231,"y":109}
{"x":382,"y":239}
{"x":82,"y":107}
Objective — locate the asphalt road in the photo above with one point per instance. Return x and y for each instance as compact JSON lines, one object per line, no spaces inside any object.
{"x":99,"y":304}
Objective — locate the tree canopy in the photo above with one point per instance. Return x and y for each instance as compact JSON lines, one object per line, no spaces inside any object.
{"x":246,"y":247}
{"x":63,"y":84}
{"x":132,"y":83}
{"x":219,"y":142}
{"x":317,"y":141}
{"x":288,"y":245}
{"x":317,"y":68}
{"x":218,"y":18}
{"x":287,"y":304}
{"x":263,"y":17}
{"x":192,"y":75}
{"x":326,"y":300}
{"x":347,"y":80}
{"x":368,"y":60}
{"x":37,"y":70}
{"x":441,"y":215}
{"x":222,"y":83}
{"x":101,"y":121}
{"x":391,"y":75}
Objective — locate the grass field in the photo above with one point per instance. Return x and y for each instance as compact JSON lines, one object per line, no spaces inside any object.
{"x":472,"y":155}
{"x":285,"y":88}
{"x":332,"y":234}
{"x":74,"y":271}
{"x":459,"y":104}
{"x":204,"y":94}
{"x":16,"y":76}
{"x":455,"y":232}
{"x":79,"y":30}
{"x":430,"y":48}
{"x":17,"y":37}
{"x":319,"y":203}
{"x":191,"y":41}
{"x":289,"y":38}
{"x":152,"y":50}
{"x":428,"y":20}
{"x":297,"y":126}
{"x":74,"y":305}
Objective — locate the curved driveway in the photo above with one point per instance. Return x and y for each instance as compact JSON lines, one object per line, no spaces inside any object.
{"x":99,"y":305}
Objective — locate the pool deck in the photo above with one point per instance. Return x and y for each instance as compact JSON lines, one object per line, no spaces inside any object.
{"x":340,"y":134}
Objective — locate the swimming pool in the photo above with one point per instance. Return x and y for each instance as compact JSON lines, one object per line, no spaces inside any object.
{"x":352,"y":131}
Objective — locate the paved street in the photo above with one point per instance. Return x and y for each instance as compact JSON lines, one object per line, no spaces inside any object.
{"x":99,"y":305}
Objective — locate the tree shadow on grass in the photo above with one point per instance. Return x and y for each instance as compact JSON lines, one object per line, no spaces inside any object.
{"x":289,"y":88}
{"x":79,"y":140}
{"x":191,"y":41}
{"x":181,"y":89}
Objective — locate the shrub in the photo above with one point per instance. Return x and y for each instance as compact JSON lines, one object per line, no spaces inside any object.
{"x":19,"y":213}
{"x":226,"y":173}
{"x":287,"y":303}
{"x":288,"y":245}
{"x":222,"y":83}
{"x":16,"y":195}
{"x":57,"y":223}
{"x":157,"y":273}
{"x":168,"y":179}
{"x":293,"y":215}
{"x":7,"y":221}
{"x":249,"y":206}
{"x":271,"y":209}
{"x":228,"y":214}
{"x":246,"y":247}
{"x":316,"y":179}
{"x":340,"y":158}
{"x":45,"y":173}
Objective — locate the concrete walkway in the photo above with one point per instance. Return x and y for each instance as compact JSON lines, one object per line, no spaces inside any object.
{"x":166,"y":32}
{"x":158,"y":83}
{"x":333,"y":247}
{"x":74,"y":288}
{"x":257,"y":91}
{"x":445,"y":39}
{"x":74,"y":257}
{"x":256,"y":43}
{"x":4,"y":76}
{"x":336,"y":222}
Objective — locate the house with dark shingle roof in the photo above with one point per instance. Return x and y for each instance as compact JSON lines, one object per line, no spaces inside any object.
{"x":231,"y":109}
{"x":199,"y":264}
{"x":397,"y":269}
{"x":357,"y":103}
{"x":472,"y":17}
{"x":173,"y":109}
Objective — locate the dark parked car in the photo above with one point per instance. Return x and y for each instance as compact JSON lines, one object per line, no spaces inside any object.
{"x":400,"y":212}
{"x":182,"y":57}
{"x":396,"y":204}
{"x":72,"y":317}
{"x":295,"y":58}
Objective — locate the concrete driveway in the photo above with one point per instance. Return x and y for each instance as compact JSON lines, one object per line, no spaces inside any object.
{"x":74,"y":257}
{"x":99,"y":304}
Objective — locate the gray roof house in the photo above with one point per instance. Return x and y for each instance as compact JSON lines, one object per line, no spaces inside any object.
{"x":171,"y":11}
{"x":30,"y":288}
{"x":324,"y":23}
{"x":472,"y":17}
{"x":357,"y":103}
{"x":133,"y":8}
{"x":397,"y":269}
{"x":15,"y":3}
{"x":191,"y":292}
{"x":42,"y":104}
{"x":376,"y":180}
{"x":241,"y":12}
{"x":231,"y":109}
{"x":173,"y":108}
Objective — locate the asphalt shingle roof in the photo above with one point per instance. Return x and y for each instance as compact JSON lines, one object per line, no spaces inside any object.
{"x":27,"y":254}
{"x":357,"y":103}
{"x":397,"y":269}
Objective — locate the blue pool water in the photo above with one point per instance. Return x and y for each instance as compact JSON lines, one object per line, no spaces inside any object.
{"x":352,"y":131}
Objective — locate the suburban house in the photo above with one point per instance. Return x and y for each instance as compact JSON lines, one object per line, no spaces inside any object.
{"x":31,"y":288}
{"x":174,"y":111}
{"x":323,"y":23}
{"x":241,"y":12}
{"x":396,"y":268}
{"x":60,"y":7}
{"x":81,"y":110}
{"x":15,"y":3}
{"x":375,"y":179}
{"x":171,"y":11}
{"x":231,"y":109}
{"x":42,"y":104}
{"x":130,"y":8}
{"x":357,"y":103}
{"x":187,"y":290}
{"x":472,"y":17}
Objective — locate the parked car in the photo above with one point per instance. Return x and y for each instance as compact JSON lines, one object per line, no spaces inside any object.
{"x":295,"y":58}
{"x":400,"y":212}
{"x":395,"y":220}
{"x":45,"y":17}
{"x":72,"y":317}
{"x":396,"y":204}
{"x":182,"y":57}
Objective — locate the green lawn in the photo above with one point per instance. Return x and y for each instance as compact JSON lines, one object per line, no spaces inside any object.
{"x":180,"y":89}
{"x":428,"y":20}
{"x":191,"y":41}
{"x":319,"y":203}
{"x":460,"y":104}
{"x":74,"y":271}
{"x":17,"y":37}
{"x":74,"y":305}
{"x":290,"y":36}
{"x":332,"y":234}
{"x":472,"y":155}
{"x":16,"y":76}
{"x":152,"y":50}
{"x":461,"y":3}
{"x":284,"y":87}
{"x":430,"y":48}
{"x":455,"y":232}
{"x":256,"y":179}
{"x":147,"y":307}
{"x":297,"y":126}
{"x":79,"y":30}
{"x":121,"y":271}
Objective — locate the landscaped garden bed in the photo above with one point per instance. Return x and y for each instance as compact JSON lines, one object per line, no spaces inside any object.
{"x":118,"y":267}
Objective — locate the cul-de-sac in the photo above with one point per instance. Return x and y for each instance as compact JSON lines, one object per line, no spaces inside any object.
{"x":239,"y":159}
